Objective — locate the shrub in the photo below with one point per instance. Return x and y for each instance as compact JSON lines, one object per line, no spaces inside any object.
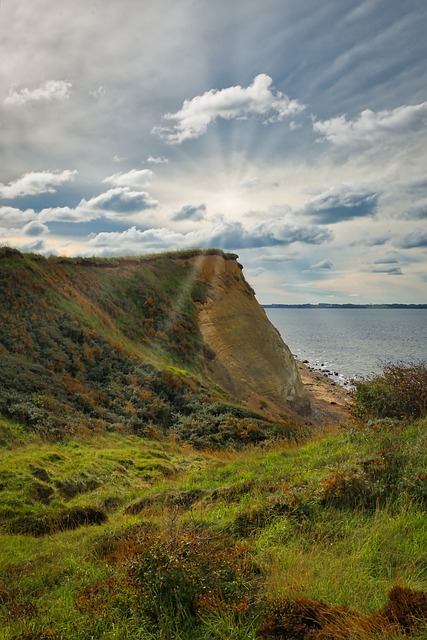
{"x":358,"y":487}
{"x":188,"y":574}
{"x":400,"y":391}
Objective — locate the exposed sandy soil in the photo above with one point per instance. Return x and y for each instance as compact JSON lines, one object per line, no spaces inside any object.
{"x":245,"y":353}
{"x":330,"y":402}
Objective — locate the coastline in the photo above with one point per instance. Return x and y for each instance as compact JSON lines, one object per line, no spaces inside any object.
{"x":330,"y":401}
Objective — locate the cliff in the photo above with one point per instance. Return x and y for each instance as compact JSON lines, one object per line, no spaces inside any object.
{"x":247,"y":354}
{"x":141,"y":343}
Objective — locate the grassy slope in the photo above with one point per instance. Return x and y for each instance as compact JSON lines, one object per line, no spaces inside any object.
{"x":113,"y":344}
{"x":268,"y":509}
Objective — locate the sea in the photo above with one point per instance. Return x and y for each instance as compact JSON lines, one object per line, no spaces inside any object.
{"x":352,"y":343}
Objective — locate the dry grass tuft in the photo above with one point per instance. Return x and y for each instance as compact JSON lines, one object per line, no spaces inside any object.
{"x":306,"y":619}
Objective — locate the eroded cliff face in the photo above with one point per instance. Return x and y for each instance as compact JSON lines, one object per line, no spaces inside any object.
{"x":244,"y":353}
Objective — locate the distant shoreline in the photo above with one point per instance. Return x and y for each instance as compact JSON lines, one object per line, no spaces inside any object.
{"x":323,"y":305}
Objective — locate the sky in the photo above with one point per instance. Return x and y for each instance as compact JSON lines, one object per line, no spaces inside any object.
{"x":290,"y":132}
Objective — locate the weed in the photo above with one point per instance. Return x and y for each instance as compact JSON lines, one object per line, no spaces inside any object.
{"x":191,"y":573}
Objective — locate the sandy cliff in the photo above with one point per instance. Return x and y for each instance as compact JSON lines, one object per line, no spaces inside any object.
{"x":244,"y":353}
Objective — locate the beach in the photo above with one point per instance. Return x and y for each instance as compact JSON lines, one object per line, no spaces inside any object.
{"x":330,"y":402}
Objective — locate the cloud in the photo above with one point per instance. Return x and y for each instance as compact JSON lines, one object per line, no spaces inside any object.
{"x":38,"y":246}
{"x":190,"y":212}
{"x":46,"y":92}
{"x":35,"y":228}
{"x":370,"y":126}
{"x":226,"y":234}
{"x":119,"y":200}
{"x":386,"y":261}
{"x":99,"y":92}
{"x":135,"y":178}
{"x":36,"y":182}
{"x":341,"y":203}
{"x":389,"y":270}
{"x":324,"y":264}
{"x":416,"y":210}
{"x":376,"y":241}
{"x":259,"y":100}
{"x":278,"y":258}
{"x":278,"y":232}
{"x":413,"y":240}
{"x":12,"y":218}
{"x":158,"y":160}
{"x":67,"y":214}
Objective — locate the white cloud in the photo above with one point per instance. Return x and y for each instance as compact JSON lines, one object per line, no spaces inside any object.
{"x":227,"y":234}
{"x":279,"y":258}
{"x":324,"y":264}
{"x":98,"y":92}
{"x":343,"y":202}
{"x":417,"y":210}
{"x":46,"y":92}
{"x":12,"y":218}
{"x":135,"y":178}
{"x":158,"y":160}
{"x":36,"y":182}
{"x":412,"y":240}
{"x":67,"y":214}
{"x":259,"y":99}
{"x":190,"y":212}
{"x":371,"y":126}
{"x":120,"y":200}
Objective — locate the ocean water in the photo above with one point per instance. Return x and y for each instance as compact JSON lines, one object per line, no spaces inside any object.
{"x":353,"y":342}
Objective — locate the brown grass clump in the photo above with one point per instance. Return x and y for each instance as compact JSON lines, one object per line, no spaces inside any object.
{"x":54,"y":522}
{"x":306,"y":619}
{"x":405,"y":608}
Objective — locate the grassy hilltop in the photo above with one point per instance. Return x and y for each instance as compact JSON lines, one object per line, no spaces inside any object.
{"x":140,"y":501}
{"x":94,"y":344}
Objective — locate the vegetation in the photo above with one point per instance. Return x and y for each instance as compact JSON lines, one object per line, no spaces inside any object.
{"x":90,"y":344}
{"x":115,"y":536}
{"x":400,"y":391}
{"x":137,"y":502}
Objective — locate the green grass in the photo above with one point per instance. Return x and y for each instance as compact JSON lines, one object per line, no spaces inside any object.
{"x":230,"y":508}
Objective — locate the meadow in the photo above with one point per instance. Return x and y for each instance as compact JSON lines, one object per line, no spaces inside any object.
{"x":123,"y":537}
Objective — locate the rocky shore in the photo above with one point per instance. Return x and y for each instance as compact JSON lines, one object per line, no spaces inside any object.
{"x":330,"y":401}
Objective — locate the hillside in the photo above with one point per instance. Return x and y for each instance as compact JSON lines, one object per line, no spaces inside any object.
{"x":158,"y":480}
{"x":143,"y":344}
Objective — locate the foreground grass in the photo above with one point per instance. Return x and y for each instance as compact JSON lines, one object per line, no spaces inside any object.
{"x":199,"y":544}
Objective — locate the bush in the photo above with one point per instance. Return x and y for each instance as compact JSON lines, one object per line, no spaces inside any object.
{"x":189,"y":574}
{"x":400,"y":391}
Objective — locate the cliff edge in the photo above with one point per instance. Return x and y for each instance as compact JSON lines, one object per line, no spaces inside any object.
{"x":244,"y":353}
{"x":94,"y":343}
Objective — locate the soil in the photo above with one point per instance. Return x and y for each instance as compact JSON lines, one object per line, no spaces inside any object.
{"x":330,"y":402}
